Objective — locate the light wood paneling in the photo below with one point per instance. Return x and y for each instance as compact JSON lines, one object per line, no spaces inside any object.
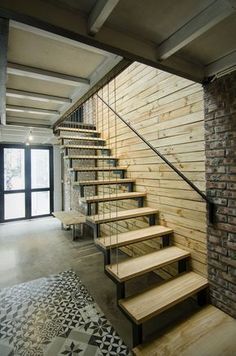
{"x":168,"y":112}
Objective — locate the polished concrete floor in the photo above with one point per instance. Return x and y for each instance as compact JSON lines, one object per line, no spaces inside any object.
{"x":38,"y":248}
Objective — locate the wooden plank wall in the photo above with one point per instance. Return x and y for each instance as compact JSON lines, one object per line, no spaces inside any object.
{"x":168,"y":111}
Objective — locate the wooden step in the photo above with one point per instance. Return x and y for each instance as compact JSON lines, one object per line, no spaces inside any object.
{"x":83,"y":147}
{"x":81,"y":124}
{"x":134,"y":267}
{"x":104,"y":182}
{"x":75,"y":129}
{"x":152,"y":302}
{"x":106,"y":158}
{"x":70,"y":217}
{"x":121,"y":215}
{"x":112,"y":197}
{"x":82,"y":138}
{"x":130,"y":237}
{"x":98,"y":169}
{"x":207,"y":332}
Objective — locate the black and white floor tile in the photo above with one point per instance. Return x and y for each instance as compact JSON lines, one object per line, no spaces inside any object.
{"x":55,"y":316}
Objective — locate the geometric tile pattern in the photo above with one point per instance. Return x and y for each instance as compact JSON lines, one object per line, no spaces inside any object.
{"x":55,"y":316}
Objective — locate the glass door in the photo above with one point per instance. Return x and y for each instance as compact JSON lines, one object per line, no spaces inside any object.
{"x":40,"y":182}
{"x":26,"y":182}
{"x":14,"y":183}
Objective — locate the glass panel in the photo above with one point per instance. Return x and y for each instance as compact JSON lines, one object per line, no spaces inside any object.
{"x":14,"y":168}
{"x":14,"y":206}
{"x":40,"y":203}
{"x":39,"y":168}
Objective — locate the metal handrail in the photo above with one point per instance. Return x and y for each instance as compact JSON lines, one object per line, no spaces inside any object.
{"x":191,"y":184}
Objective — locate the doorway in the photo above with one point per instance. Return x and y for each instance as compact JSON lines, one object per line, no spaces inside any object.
{"x":26,"y":182}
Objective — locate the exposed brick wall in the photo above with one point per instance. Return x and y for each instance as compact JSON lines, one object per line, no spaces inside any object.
{"x":220,"y":125}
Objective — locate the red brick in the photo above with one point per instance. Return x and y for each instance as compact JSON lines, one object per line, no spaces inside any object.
{"x":220,"y":123}
{"x":226,"y":227}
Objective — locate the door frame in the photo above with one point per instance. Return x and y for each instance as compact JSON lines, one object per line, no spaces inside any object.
{"x":28,"y":190}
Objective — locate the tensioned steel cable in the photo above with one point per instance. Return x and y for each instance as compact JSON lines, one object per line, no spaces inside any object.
{"x":116,"y":203}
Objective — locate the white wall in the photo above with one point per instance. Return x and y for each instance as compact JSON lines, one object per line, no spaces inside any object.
{"x":57,"y":178}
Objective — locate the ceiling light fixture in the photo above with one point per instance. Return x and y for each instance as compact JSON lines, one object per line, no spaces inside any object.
{"x":30,"y":136}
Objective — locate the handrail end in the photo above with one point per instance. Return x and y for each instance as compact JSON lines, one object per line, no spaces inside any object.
{"x":211,"y":212}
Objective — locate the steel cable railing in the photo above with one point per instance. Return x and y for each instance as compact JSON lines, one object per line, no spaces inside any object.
{"x":211,"y":206}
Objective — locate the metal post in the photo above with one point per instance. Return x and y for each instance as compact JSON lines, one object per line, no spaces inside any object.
{"x":202,"y":297}
{"x":107,"y":257}
{"x":81,"y":187}
{"x":96,"y":231}
{"x":130,"y":186}
{"x":73,"y":232}
{"x":165,"y":241}
{"x":122,"y":174}
{"x":113,"y":162}
{"x":140,"y":202}
{"x":88,"y":209}
{"x":120,"y":290}
{"x":152,"y":220}
{"x":182,"y":265}
{"x":137,"y":334}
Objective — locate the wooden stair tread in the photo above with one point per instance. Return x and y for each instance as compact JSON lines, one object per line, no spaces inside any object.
{"x":105,"y":181}
{"x":83,"y":147}
{"x":98,"y":169}
{"x":207,"y":332}
{"x":152,"y":302}
{"x":81,"y":124}
{"x":133,"y":267}
{"x":82,"y":138}
{"x":71,"y":217}
{"x":75,"y":129}
{"x":89,"y":157}
{"x":111,"y":197}
{"x":120,"y":215}
{"x":131,"y":237}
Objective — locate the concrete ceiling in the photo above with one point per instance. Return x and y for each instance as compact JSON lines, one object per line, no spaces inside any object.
{"x":34,"y":97}
{"x":20,"y":134}
{"x":34,"y":48}
{"x":193,"y":39}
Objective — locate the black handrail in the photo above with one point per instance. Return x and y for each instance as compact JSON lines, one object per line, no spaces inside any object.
{"x":192,"y":185}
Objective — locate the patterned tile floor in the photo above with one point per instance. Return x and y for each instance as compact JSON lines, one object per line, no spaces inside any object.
{"x":55,"y":316}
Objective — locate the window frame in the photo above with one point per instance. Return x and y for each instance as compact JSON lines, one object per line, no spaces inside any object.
{"x":28,"y":190}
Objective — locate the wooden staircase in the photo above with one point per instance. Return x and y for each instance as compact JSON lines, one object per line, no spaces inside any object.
{"x":149,"y":303}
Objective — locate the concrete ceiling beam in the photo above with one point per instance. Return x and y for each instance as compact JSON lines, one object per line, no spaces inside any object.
{"x":202,"y":22}
{"x":42,"y":74}
{"x":100,"y":14}
{"x":225,"y":63}
{"x":18,"y":122}
{"x":74,"y":25}
{"x":25,"y":109}
{"x":4,"y":31}
{"x":22,"y":94}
